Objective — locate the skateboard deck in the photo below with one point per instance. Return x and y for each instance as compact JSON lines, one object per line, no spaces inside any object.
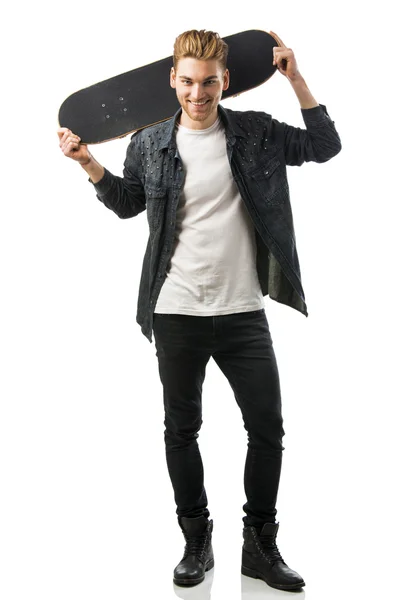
{"x":136,"y":99}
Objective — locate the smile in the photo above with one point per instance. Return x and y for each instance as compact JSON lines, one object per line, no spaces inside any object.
{"x":198,"y":103}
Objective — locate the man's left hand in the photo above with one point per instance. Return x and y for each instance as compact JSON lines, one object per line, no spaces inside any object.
{"x":284,"y":59}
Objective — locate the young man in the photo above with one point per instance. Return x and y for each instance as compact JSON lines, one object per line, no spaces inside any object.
{"x":215,"y":188}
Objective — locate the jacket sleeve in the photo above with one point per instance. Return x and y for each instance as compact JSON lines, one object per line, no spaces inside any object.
{"x":123,"y":195}
{"x":319,"y":142}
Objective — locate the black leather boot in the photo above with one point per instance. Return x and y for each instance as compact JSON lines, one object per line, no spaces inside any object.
{"x":198,"y":556}
{"x":261,"y":559}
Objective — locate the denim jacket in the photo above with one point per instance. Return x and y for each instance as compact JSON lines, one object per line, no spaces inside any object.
{"x":259,"y":148}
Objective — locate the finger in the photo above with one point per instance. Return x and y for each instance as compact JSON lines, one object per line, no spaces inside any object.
{"x":279,"y":54}
{"x":70,"y":138}
{"x":65,"y":136}
{"x":70,"y":145}
{"x":71,"y":148}
{"x":61,"y":131}
{"x":73,"y":136}
{"x":281,"y":63}
{"x":286,"y":53}
{"x":69,"y":133}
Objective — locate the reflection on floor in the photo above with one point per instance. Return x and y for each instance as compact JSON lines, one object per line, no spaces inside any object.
{"x":251,"y":589}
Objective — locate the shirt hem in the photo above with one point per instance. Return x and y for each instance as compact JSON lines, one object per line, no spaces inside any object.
{"x":208,"y":313}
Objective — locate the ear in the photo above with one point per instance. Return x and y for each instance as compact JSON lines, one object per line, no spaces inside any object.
{"x":226,"y":80}
{"x":172,"y":78}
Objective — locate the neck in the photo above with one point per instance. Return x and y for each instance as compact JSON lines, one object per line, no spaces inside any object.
{"x":186,"y":121}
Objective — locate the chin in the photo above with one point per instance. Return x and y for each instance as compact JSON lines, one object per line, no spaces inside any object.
{"x":196,"y":116}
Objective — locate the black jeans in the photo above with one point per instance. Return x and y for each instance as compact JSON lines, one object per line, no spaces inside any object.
{"x":241,"y":345}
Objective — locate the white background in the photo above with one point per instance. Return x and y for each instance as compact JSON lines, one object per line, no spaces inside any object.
{"x":86,"y":505}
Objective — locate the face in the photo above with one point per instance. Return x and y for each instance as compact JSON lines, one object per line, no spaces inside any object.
{"x":199,"y":85}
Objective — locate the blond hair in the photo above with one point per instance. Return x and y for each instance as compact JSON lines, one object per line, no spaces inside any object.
{"x":203,"y":45}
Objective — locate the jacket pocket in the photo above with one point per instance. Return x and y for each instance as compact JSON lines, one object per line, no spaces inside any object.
{"x":156,"y":199}
{"x":270,"y":180}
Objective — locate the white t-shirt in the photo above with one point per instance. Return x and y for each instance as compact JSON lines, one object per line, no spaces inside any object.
{"x":213,"y":264}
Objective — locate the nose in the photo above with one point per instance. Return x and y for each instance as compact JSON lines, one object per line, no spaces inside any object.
{"x":197,"y":91}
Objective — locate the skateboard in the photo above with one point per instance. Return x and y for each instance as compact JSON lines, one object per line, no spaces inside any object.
{"x":115,"y":107}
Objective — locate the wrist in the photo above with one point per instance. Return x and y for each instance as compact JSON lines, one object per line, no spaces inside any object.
{"x":303,"y":93}
{"x":298,"y":81}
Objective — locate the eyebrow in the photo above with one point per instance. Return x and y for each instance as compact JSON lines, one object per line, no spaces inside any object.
{"x":207,"y":78}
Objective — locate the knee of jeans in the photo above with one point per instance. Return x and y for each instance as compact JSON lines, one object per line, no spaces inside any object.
{"x":181,"y":436}
{"x":176,"y":441}
{"x":269,"y":448}
{"x":267,"y":435}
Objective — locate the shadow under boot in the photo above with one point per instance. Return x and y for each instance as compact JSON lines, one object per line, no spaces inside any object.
{"x":261,"y":559}
{"x":198,"y":556}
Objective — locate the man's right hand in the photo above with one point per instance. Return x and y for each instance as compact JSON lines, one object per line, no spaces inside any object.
{"x":71,"y":146}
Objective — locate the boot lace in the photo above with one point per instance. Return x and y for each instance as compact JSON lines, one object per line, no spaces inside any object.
{"x":269,"y":549}
{"x":196,"y":545}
